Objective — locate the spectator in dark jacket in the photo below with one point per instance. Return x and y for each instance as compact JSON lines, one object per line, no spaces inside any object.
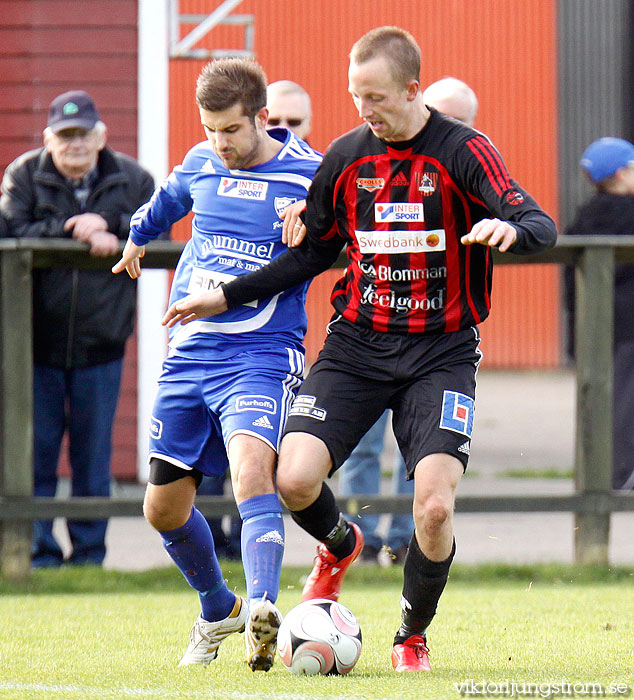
{"x":76,"y":187}
{"x":609,"y":164}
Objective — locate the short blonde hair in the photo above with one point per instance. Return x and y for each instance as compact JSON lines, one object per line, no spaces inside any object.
{"x":397,"y":46}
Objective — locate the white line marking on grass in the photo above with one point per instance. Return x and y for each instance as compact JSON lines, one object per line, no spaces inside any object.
{"x":83,"y":691}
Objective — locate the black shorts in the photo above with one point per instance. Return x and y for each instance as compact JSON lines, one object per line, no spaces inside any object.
{"x":427,"y":380}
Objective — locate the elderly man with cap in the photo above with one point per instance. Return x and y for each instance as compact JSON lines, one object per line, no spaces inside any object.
{"x":608,"y":164}
{"x":76,"y":187}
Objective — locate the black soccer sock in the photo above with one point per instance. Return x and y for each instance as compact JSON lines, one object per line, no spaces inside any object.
{"x":423,"y":583}
{"x":325,"y":523}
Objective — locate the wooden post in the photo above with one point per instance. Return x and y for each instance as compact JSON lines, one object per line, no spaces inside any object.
{"x":595,"y":378}
{"x":16,"y":406}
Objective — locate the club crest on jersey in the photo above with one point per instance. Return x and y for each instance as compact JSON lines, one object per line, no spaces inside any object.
{"x":426,"y":183}
{"x":243,"y":189}
{"x":281,"y":204}
{"x":457,"y":413}
{"x":261,"y":404}
{"x":370,"y":184}
{"x":397,"y":211}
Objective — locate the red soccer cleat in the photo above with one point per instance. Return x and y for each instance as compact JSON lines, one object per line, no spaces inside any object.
{"x":327,"y":575}
{"x":411,"y":655}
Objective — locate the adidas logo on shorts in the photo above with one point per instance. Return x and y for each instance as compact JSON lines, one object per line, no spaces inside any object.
{"x":272,"y":536}
{"x":262,"y":422}
{"x":465,"y":448}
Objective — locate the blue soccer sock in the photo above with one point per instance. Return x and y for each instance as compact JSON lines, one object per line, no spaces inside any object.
{"x":262,"y":545}
{"x":191,"y":548}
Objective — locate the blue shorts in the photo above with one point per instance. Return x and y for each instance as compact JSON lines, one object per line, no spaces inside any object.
{"x":201,"y":404}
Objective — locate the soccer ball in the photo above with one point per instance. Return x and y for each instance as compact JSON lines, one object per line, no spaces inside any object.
{"x":319,"y":637}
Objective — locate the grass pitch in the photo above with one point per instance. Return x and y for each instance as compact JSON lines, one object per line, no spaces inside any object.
{"x":84,"y":634}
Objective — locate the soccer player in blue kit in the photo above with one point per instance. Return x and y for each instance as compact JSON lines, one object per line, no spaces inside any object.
{"x":227,"y":383}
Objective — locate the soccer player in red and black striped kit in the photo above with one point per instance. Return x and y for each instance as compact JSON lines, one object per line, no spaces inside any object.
{"x":418,"y":199}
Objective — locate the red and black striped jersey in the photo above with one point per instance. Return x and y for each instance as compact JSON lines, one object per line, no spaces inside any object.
{"x":401,"y":208}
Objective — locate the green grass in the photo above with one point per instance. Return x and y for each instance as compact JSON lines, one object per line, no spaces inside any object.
{"x":168,"y":579}
{"x":85,"y":634}
{"x":537,"y":474}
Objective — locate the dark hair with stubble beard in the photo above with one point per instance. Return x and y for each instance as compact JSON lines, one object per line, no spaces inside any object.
{"x":228,"y":81}
{"x":397,"y":46}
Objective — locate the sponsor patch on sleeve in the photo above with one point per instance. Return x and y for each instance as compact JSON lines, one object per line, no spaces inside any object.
{"x":457,"y":413}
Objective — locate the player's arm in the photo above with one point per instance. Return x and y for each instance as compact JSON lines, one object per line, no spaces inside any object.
{"x":293,"y":267}
{"x":169,"y":203}
{"x":195,"y":306}
{"x":130,"y":259}
{"x":492,"y":232}
{"x":518,"y":224}
{"x":316,"y":253}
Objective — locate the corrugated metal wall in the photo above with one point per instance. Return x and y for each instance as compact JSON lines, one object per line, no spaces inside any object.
{"x":505,"y":51}
{"x":595,"y":96}
{"x":595,"y":93}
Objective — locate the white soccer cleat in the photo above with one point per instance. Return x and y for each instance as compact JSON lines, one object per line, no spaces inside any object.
{"x":205,"y":637}
{"x":261,"y":634}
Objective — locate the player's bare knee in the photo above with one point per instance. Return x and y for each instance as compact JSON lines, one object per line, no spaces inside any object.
{"x":162,"y":516}
{"x":303,"y":465}
{"x":297,"y":491}
{"x":433,"y":514}
{"x":154,"y":515}
{"x":252,"y":480}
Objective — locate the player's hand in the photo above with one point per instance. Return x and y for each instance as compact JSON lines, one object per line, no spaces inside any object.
{"x":130,"y":260}
{"x":103,"y":244}
{"x":84,"y":225}
{"x":195,"y":306}
{"x":492,"y":232}
{"x":293,"y":230}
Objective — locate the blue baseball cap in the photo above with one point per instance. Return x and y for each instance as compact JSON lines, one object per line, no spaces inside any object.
{"x":72,"y":110}
{"x":605,"y":156}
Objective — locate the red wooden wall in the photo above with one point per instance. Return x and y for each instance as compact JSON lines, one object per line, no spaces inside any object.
{"x":48,"y":47}
{"x":506,"y":52}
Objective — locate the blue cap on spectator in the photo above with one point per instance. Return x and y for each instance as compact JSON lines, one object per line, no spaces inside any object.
{"x":605,"y":156}
{"x":72,"y":110}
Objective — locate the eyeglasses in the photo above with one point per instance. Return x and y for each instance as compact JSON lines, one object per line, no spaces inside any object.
{"x":293,"y":122}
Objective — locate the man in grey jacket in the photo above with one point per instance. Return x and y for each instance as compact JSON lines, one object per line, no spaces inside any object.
{"x":76,"y":187}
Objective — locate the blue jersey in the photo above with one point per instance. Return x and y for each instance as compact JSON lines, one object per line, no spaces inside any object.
{"x":236,"y":229}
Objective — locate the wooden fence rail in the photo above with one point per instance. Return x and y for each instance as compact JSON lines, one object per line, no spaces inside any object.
{"x":592,"y":503}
